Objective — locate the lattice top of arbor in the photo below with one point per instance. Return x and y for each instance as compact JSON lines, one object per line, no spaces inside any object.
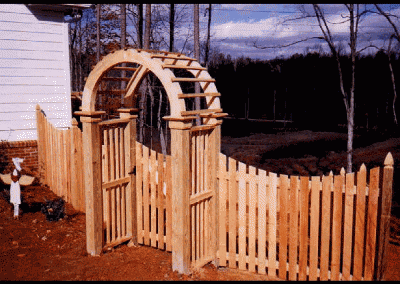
{"x":162,"y":64}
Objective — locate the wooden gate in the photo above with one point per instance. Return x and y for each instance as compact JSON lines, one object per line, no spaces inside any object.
{"x":116,"y":181}
{"x":202,"y":198}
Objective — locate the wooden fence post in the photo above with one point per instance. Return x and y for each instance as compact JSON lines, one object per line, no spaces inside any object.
{"x":76,"y":167}
{"x":130,"y":137}
{"x":180,"y":135}
{"x":40,"y":142}
{"x":386,"y":205}
{"x":92,"y":177}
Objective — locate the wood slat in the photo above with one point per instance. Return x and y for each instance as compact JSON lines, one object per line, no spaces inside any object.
{"x":325,"y":225}
{"x":172,"y":57}
{"x":272,"y":203}
{"x":196,"y":198}
{"x":242,"y":216}
{"x":153,"y":197}
{"x":253,"y":194}
{"x":304,"y":212}
{"x":176,"y":66}
{"x":336,"y":250}
{"x":200,"y":111}
{"x":209,"y":80}
{"x":370,"y":243}
{"x":232,"y":212}
{"x":293,"y":229}
{"x":169,"y":203}
{"x":348,"y":227}
{"x":124,"y":68}
{"x":139,"y":191}
{"x":360,"y":223}
{"x":160,"y":201}
{"x":283,"y":225}
{"x":146,"y":204}
{"x":314,"y":226}
{"x":126,"y":79}
{"x":223,"y":193}
{"x":198,"y":95}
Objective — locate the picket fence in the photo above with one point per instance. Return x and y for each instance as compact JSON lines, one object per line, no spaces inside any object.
{"x":61,"y":160}
{"x":307,"y":229}
{"x":332,"y":227}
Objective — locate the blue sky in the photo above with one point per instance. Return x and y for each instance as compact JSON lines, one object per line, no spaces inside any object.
{"x":235,"y":27}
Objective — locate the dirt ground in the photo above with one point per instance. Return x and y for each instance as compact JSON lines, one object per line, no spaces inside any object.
{"x":33,"y":248}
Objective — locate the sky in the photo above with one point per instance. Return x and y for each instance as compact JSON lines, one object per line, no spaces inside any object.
{"x":237,"y":27}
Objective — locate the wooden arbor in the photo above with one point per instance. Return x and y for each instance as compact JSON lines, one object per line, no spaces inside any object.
{"x":194,"y":152}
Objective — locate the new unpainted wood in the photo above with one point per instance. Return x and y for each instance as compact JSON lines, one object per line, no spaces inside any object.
{"x":223,"y":193}
{"x":153,"y":198}
{"x":360,"y":223}
{"x":232,"y":212}
{"x":386,"y":204}
{"x":325,"y":226}
{"x":139,"y":191}
{"x":283,"y":226}
{"x":348,"y":227}
{"x":303,"y":236}
{"x":370,"y":243}
{"x":160,"y":201}
{"x":272,"y":214}
{"x":314,"y":226}
{"x":242,"y":216}
{"x":336,"y":251}
{"x":253,"y":193}
{"x":293,"y":230}
{"x":146,"y":182}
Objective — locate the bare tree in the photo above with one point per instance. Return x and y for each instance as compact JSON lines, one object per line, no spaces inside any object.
{"x":98,"y":10}
{"x":147,"y":28}
{"x":353,"y":18}
{"x":208,"y":36}
{"x":396,"y":36}
{"x":171,"y":27}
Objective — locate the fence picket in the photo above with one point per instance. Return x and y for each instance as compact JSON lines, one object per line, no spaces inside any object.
{"x":222,"y":209}
{"x":304,"y":212}
{"x":153,"y":223}
{"x":252,"y":218}
{"x":283,"y":225}
{"x":160,"y":201}
{"x":348,"y":226}
{"x":360,"y":223}
{"x":139,"y":191}
{"x":232,"y":212}
{"x":293,"y":229}
{"x":242,"y":215}
{"x":325,"y":225}
{"x":146,"y":182}
{"x":272,"y":195}
{"x":370,"y":244}
{"x":169,"y":203}
{"x":314,"y":226}
{"x":336,"y":250}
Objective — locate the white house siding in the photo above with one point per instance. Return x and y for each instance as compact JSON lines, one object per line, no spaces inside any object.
{"x":34,"y":69}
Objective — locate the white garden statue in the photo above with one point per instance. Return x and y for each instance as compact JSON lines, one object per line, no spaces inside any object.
{"x":15,"y":189}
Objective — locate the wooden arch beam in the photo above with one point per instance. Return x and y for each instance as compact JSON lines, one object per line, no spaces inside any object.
{"x":142,"y":58}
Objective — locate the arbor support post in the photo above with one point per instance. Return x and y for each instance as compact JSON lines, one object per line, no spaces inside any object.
{"x":180,"y":135}
{"x":92,"y":177}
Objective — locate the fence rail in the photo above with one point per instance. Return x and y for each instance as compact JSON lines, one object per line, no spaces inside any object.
{"x":302,"y":228}
{"x":61,"y":160}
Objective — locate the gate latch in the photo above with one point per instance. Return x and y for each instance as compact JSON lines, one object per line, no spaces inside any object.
{"x":133,"y":171}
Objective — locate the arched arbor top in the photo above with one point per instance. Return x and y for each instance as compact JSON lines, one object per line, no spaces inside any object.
{"x":161,"y":64}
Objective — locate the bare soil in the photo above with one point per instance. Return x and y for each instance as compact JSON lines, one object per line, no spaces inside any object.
{"x":33,"y":248}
